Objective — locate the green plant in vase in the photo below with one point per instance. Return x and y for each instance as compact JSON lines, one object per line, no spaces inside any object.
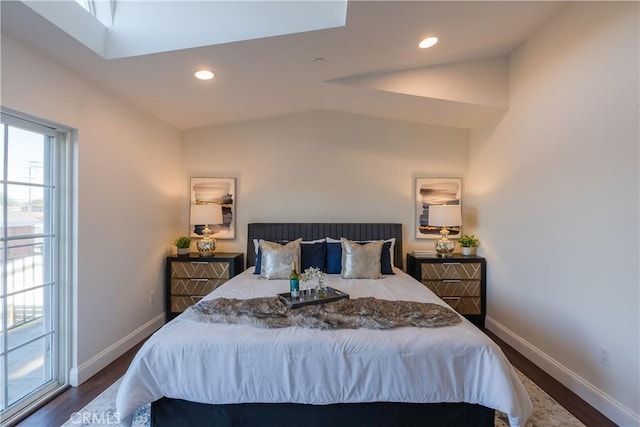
{"x":468,"y":244}
{"x":183,"y":243}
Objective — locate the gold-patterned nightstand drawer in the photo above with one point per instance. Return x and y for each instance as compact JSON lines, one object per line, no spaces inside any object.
{"x":451,"y":270}
{"x":200,"y":269}
{"x":181,"y":303}
{"x":191,"y":277}
{"x":465,"y":305}
{"x":194,"y":286}
{"x":454,"y":287}
{"x":459,"y":280}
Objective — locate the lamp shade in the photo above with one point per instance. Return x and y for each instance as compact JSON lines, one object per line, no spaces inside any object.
{"x":206,"y":214}
{"x":445,"y":215}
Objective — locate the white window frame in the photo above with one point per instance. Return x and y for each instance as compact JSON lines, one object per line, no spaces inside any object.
{"x":65,"y":256}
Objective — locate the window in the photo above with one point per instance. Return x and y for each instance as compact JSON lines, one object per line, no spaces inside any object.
{"x":103,"y":11}
{"x":85,"y":4}
{"x":33,"y":252}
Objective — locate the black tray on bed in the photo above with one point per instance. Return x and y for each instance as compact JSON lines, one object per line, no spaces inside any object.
{"x":332,"y":295}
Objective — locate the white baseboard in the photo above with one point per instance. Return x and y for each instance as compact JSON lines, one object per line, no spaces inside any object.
{"x":601,"y":401}
{"x":79,"y":374}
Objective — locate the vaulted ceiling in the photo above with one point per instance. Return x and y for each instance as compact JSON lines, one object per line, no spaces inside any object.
{"x":272,"y":58}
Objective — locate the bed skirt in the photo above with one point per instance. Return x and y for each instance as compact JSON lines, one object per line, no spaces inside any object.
{"x":181,"y":413}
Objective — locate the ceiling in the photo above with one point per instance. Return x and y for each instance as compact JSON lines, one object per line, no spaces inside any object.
{"x":372,"y":65}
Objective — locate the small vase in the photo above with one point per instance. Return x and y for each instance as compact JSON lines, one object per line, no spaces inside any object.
{"x":467,"y":251}
{"x":321,"y":289}
{"x":183,"y":251}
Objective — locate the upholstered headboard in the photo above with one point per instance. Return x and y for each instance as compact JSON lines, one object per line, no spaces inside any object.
{"x":318,"y":230}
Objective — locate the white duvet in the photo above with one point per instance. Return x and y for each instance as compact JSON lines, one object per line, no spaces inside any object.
{"x":220,"y":363}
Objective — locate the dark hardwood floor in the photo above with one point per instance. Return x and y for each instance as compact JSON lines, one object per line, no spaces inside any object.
{"x":572,"y":403}
{"x":57,"y":411}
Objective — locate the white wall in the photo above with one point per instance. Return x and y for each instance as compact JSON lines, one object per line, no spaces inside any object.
{"x":558,"y":171}
{"x":128,"y":197}
{"x":323,"y":166}
{"x":555,"y":183}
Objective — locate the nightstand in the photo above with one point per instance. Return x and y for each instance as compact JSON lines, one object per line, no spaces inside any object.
{"x":189,"y":278}
{"x":461,"y":281}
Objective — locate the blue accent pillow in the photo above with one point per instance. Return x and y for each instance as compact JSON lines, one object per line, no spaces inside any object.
{"x":334,"y":258}
{"x":385,"y":259}
{"x":258,"y":262}
{"x":313,"y":255}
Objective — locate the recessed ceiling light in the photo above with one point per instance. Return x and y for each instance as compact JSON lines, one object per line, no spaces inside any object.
{"x":204,"y":75}
{"x":428,"y":42}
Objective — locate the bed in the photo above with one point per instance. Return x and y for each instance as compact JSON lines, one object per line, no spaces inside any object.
{"x":197,"y":373}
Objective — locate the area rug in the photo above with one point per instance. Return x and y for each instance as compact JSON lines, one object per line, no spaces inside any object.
{"x":101,"y":411}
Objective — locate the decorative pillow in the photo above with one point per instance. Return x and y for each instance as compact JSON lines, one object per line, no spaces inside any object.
{"x":361,"y":261}
{"x":386,"y":258}
{"x":276,"y":259}
{"x":334,"y":255}
{"x":256,"y":246}
{"x":312,"y":254}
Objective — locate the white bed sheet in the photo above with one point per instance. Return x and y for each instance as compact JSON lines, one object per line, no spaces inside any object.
{"x":220,"y":363}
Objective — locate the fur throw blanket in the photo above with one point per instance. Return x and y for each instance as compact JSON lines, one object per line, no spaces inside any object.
{"x":370,"y":313}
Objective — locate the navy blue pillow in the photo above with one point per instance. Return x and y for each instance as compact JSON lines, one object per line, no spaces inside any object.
{"x":311,"y":254}
{"x":258,"y":262}
{"x":334,"y":258}
{"x":386,"y":266}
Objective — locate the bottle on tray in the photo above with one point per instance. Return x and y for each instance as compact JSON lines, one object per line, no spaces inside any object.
{"x":294,"y":282}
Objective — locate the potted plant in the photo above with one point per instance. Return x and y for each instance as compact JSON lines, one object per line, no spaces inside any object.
{"x":183,"y":243}
{"x":468,"y":244}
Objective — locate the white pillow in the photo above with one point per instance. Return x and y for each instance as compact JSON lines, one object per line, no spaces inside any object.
{"x":361,"y":261}
{"x":311,"y":242}
{"x":256,"y":243}
{"x":277,"y":259}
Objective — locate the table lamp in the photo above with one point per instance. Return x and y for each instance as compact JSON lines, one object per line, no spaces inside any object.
{"x":444,"y":216}
{"x":206,"y":214}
